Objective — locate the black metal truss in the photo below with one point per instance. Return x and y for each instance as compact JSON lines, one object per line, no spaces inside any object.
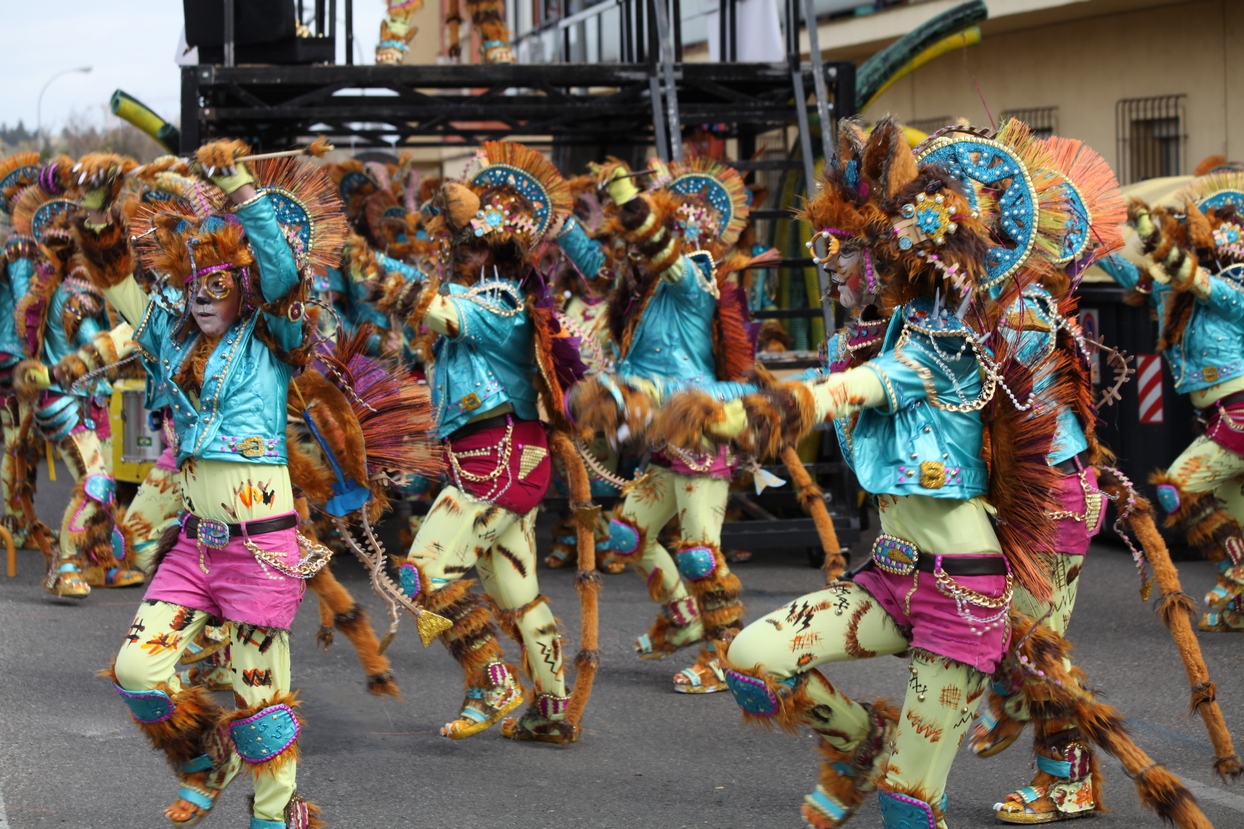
{"x":384,"y":106}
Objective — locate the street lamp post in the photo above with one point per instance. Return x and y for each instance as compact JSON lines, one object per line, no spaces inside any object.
{"x":39,"y":106}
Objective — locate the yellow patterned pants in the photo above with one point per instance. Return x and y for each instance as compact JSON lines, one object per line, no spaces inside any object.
{"x":699,"y":502}
{"x":461,"y":534}
{"x":154,"y":509}
{"x":841,"y":623}
{"x":162,"y":631}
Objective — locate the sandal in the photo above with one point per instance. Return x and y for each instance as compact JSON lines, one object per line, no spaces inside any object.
{"x":65,"y":582}
{"x":995,"y":730}
{"x":484,"y":706}
{"x":1062,"y":790}
{"x":704,"y":677}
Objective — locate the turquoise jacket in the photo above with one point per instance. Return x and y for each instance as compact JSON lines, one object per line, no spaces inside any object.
{"x":1033,"y":345}
{"x":1212,"y":348}
{"x":582,"y":250}
{"x":240,"y":416}
{"x":489,"y":362}
{"x":674,"y":340}
{"x":18,"y":271}
{"x":913,"y":446}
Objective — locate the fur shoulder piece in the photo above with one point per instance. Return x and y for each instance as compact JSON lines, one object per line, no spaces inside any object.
{"x":104,"y":254}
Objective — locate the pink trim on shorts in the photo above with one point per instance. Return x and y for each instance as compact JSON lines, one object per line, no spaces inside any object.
{"x":1075,"y":536}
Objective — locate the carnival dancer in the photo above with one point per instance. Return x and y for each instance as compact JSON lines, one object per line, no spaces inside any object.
{"x":17,"y":267}
{"x":941,"y":425}
{"x":66,"y":330}
{"x":499,"y":358}
{"x":220,"y":358}
{"x":1195,"y":279}
{"x":1041,"y":329}
{"x":676,"y":320}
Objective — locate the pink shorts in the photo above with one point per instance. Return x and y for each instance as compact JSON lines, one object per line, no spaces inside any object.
{"x":236,"y":586}
{"x":721,"y":464}
{"x":167,"y":460}
{"x":1223,"y":427}
{"x":934,"y":623}
{"x":1074,"y":536}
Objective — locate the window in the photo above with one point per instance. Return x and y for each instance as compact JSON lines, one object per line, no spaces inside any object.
{"x":1043,"y":121}
{"x":931,"y":125}
{"x":1150,"y":134}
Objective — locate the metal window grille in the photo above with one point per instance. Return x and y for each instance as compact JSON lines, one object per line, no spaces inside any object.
{"x":931,"y":125}
{"x":1151,"y":138}
{"x":1043,"y":121}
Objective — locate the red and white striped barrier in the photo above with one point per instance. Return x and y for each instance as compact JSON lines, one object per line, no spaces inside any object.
{"x":1149,"y":387}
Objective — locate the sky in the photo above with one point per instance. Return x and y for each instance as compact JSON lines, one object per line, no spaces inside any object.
{"x":129,"y":45}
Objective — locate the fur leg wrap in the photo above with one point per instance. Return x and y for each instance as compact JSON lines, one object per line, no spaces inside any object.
{"x":1209,"y":528}
{"x":847,"y":776}
{"x":716,"y":590}
{"x":353,"y":621}
{"x":1064,"y":696}
{"x":472,"y":639}
{"x":175,"y":723}
{"x":266,"y":735}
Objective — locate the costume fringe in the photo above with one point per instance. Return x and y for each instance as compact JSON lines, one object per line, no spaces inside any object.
{"x":345,"y":615}
{"x":1064,"y":695}
{"x":812,"y":499}
{"x":472,"y":640}
{"x":292,"y":754}
{"x":1016,"y":448}
{"x":685,"y":418}
{"x":514,"y":154}
{"x":587,"y":580}
{"x":11,"y":164}
{"x":104,"y":253}
{"x":730,"y":180}
{"x":1176,"y":609}
{"x":309,"y":185}
{"x":354,"y":184}
{"x":180,"y":737}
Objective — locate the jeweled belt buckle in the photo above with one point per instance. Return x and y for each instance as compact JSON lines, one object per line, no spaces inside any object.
{"x":894,"y":555}
{"x":213,"y":533}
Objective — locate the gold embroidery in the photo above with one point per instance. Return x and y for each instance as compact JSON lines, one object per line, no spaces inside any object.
{"x":530,"y":459}
{"x":932,"y":474}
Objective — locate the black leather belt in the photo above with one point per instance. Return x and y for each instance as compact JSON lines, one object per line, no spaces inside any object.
{"x":1233,"y":399}
{"x":474,"y":426}
{"x":263,"y":525}
{"x":964,"y":565}
{"x":1074,"y":464}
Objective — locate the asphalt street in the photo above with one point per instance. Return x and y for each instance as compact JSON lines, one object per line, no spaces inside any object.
{"x":69,"y":756}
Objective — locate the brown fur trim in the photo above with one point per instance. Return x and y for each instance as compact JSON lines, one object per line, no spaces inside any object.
{"x":180,"y":737}
{"x":685,"y":418}
{"x":472,"y":640}
{"x":168,"y":539}
{"x":306,"y":473}
{"x":1201,"y":517}
{"x":28,"y":391}
{"x":104,"y":253}
{"x":812,"y":500}
{"x":717,"y":595}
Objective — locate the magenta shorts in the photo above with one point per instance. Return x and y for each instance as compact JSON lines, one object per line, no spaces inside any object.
{"x":1224,"y":428}
{"x":1074,"y":536}
{"x":934,"y":623}
{"x":236,"y":586}
{"x":720,"y":465}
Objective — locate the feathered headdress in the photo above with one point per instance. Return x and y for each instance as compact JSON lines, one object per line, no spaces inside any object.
{"x":502,"y":170}
{"x":35,"y":211}
{"x":17,"y":172}
{"x":1096,"y":207}
{"x":1012,"y":183}
{"x":354,"y":184}
{"x":915,"y":230}
{"x":175,"y":241}
{"x":707,"y":183}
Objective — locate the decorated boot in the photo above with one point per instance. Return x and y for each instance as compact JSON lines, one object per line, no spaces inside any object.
{"x":847,"y":776}
{"x":677,"y":626}
{"x":544,"y":722}
{"x":299,"y":814}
